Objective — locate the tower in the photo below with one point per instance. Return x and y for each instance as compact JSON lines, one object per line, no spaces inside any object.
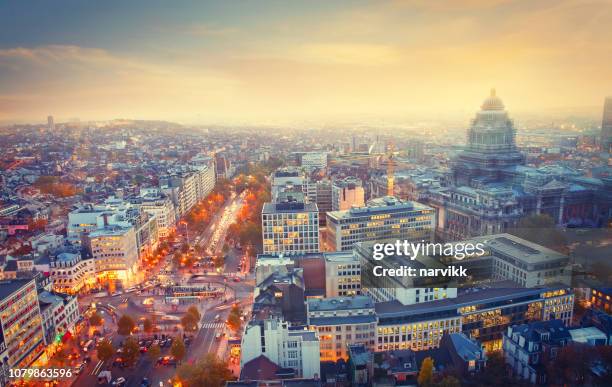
{"x":606,"y":126}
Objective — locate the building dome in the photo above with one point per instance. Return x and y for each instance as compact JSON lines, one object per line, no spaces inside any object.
{"x":492,"y":102}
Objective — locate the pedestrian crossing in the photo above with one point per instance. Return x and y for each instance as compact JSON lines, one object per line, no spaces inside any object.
{"x":213,"y":325}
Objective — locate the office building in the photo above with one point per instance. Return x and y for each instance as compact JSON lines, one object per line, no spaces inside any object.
{"x":381,"y":219}
{"x":284,"y":345}
{"x":481,"y":314}
{"x":342,"y":321}
{"x":115,"y":254}
{"x":50,"y":124}
{"x":292,"y":179}
{"x":342,"y":274}
{"x":606,"y":126}
{"x":324,"y":199}
{"x":313,"y":160}
{"x":289,"y":225}
{"x":403,"y":289}
{"x":525,"y":263}
{"x":70,"y":274}
{"x":347,"y":193}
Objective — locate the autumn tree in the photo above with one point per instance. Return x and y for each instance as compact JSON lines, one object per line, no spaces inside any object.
{"x":125,"y":325}
{"x":193,"y":310}
{"x":178,"y":349}
{"x":191,"y":319}
{"x":95,"y":320}
{"x":233,"y":320}
{"x":147,"y":326}
{"x":105,"y":350}
{"x":209,"y":371}
{"x":425,"y":377}
{"x":154,"y":352}
{"x":131,"y":351}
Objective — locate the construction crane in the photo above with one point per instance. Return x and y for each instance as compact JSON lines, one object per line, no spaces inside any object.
{"x":390,"y":168}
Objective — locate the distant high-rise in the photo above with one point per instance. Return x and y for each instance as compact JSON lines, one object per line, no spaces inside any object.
{"x":50,"y":123}
{"x":606,"y":125}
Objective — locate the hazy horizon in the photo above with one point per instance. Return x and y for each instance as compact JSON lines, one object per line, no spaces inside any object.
{"x":273,"y":63}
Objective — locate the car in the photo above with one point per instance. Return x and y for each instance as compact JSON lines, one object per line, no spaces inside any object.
{"x":145,"y":382}
{"x":118,"y":362}
{"x":143,"y":349}
{"x":120,"y":382}
{"x":79,"y":368}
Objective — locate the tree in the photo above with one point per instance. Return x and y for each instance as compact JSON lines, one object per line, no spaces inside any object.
{"x":495,"y":372}
{"x":233,"y":320}
{"x":195,"y":312}
{"x":154,"y":352}
{"x":178,"y":349}
{"x":105,"y":350}
{"x":425,"y":377}
{"x":125,"y":325}
{"x":209,"y":371}
{"x":61,"y":356}
{"x":95,"y":320}
{"x":541,"y":229}
{"x":449,"y":381}
{"x":147,"y":325}
{"x":130,"y":351}
{"x":189,"y":322}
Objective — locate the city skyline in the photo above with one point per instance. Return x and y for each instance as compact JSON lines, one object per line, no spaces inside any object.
{"x":271,"y":63}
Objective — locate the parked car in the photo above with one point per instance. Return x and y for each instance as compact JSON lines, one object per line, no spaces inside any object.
{"x":119,"y":382}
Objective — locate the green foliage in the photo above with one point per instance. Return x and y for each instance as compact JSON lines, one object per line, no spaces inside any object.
{"x":178,"y":349}
{"x":541,"y":229}
{"x":449,"y":381}
{"x":131,"y":351}
{"x":154,"y":352}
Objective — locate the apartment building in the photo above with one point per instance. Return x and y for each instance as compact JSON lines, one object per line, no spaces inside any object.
{"x":22,"y":334}
{"x":286,"y":346}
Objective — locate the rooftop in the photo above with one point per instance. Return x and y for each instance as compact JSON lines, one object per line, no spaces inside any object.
{"x":519,"y":248}
{"x":379,"y":206}
{"x":9,"y":287}
{"x":339,"y":303}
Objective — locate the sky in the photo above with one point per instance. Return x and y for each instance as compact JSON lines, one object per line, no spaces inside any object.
{"x":257,"y":62}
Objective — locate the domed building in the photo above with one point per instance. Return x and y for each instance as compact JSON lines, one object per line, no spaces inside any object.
{"x":491,"y":149}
